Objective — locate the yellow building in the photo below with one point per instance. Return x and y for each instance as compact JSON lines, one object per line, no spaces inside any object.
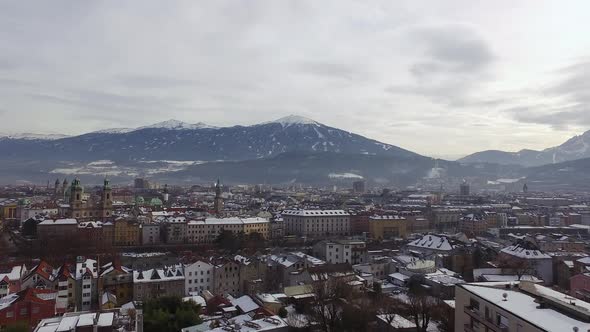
{"x":7,"y":210}
{"x":258,"y":225}
{"x":387,"y":227}
{"x":127,"y":233}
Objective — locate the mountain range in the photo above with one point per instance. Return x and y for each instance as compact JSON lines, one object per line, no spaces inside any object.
{"x":292,"y":149}
{"x":577,"y":147}
{"x":175,"y":140}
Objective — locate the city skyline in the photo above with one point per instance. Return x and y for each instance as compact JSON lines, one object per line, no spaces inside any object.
{"x":443,"y":80}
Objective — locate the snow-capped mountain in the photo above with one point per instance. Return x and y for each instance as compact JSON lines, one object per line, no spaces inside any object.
{"x":32,"y":136}
{"x":176,"y":140}
{"x":577,"y":147}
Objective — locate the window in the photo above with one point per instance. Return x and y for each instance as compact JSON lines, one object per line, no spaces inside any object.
{"x":9,"y":314}
{"x":474,"y":304}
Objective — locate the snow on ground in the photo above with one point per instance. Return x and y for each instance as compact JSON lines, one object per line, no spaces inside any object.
{"x":344,"y":176}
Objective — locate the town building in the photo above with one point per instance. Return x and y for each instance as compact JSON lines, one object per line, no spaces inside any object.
{"x":387,"y":227}
{"x":199,"y":276}
{"x":316,"y":223}
{"x":153,"y":283}
{"x":517,"y":306}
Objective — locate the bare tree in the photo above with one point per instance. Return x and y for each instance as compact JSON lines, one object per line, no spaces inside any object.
{"x":519,"y":266}
{"x":327,"y":310}
{"x":421,"y":307}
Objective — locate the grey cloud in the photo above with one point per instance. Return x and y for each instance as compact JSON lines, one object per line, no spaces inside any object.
{"x":571,"y":89}
{"x":452,"y":63}
{"x":451,"y":49}
{"x":154,"y":82}
{"x":331,"y":70}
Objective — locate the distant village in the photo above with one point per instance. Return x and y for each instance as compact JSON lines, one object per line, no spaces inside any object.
{"x":78,"y":257}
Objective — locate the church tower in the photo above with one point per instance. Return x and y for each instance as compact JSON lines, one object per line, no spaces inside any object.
{"x":64,"y":189}
{"x":106,"y":201}
{"x":218,"y":204}
{"x":56,"y":188}
{"x":76,"y":192}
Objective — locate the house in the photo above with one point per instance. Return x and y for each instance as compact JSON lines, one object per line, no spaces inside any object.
{"x":199,"y":276}
{"x":153,"y":283}
{"x":27,"y":306}
{"x":116,"y":280}
{"x":517,"y":306}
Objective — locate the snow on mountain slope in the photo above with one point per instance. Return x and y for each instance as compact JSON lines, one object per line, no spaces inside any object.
{"x":177,"y":140}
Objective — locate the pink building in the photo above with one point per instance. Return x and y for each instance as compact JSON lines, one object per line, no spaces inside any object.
{"x":580,"y":286}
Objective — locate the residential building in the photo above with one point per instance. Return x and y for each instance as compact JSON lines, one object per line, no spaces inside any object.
{"x":343,"y":251}
{"x":153,"y":283}
{"x":28,"y":306}
{"x":127,"y":232}
{"x":316,"y":223}
{"x":387,"y":227}
{"x":199,"y":276}
{"x":117,"y":280}
{"x":150,"y":233}
{"x":517,"y":306}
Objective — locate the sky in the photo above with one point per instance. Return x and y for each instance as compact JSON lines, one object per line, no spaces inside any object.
{"x":441,"y":78}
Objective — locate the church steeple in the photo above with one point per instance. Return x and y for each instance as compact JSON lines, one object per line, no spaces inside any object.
{"x":218,"y":203}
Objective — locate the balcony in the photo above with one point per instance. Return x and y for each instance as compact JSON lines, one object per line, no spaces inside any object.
{"x":473,"y":313}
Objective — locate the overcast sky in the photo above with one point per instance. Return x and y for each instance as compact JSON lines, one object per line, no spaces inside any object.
{"x":442,"y":78}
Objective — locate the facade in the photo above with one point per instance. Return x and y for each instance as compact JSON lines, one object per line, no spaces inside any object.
{"x":199,"y":276}
{"x":316,"y":223}
{"x":387,"y":227}
{"x":83,"y":207}
{"x":473,"y":224}
{"x":445,"y":220}
{"x":580,"y":286}
{"x":86,"y":284}
{"x":526,"y":258}
{"x":150,"y":233}
{"x":256,"y":225}
{"x":28,"y":306}
{"x":338,"y":252}
{"x":227,"y":277}
{"x":175,"y":231}
{"x":126,"y":232}
{"x":116,"y":280}
{"x":50,"y":231}
{"x":153,"y":283}
{"x":522,"y":306}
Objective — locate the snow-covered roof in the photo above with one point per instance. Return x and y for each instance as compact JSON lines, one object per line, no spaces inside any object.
{"x":518,"y":251}
{"x":315,"y":213}
{"x":245,"y":304}
{"x":175,"y":272}
{"x":15,"y":273}
{"x":69,"y":221}
{"x":67,"y":324}
{"x":433,"y":242}
{"x":527,"y":308}
{"x":397,"y":321}
{"x":86,"y":319}
{"x":197,"y":299}
{"x":106,"y":319}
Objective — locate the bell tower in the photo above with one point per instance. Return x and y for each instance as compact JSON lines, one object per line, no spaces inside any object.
{"x":218,"y":203}
{"x":106,"y":200}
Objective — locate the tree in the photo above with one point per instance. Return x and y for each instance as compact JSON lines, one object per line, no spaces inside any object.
{"x":327,"y":310}
{"x":516,"y":265}
{"x":420,"y":307}
{"x":18,"y":327}
{"x":228,"y":240}
{"x":170,"y":313}
{"x":283,"y":312}
{"x":445,"y":317}
{"x":388,"y":308}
